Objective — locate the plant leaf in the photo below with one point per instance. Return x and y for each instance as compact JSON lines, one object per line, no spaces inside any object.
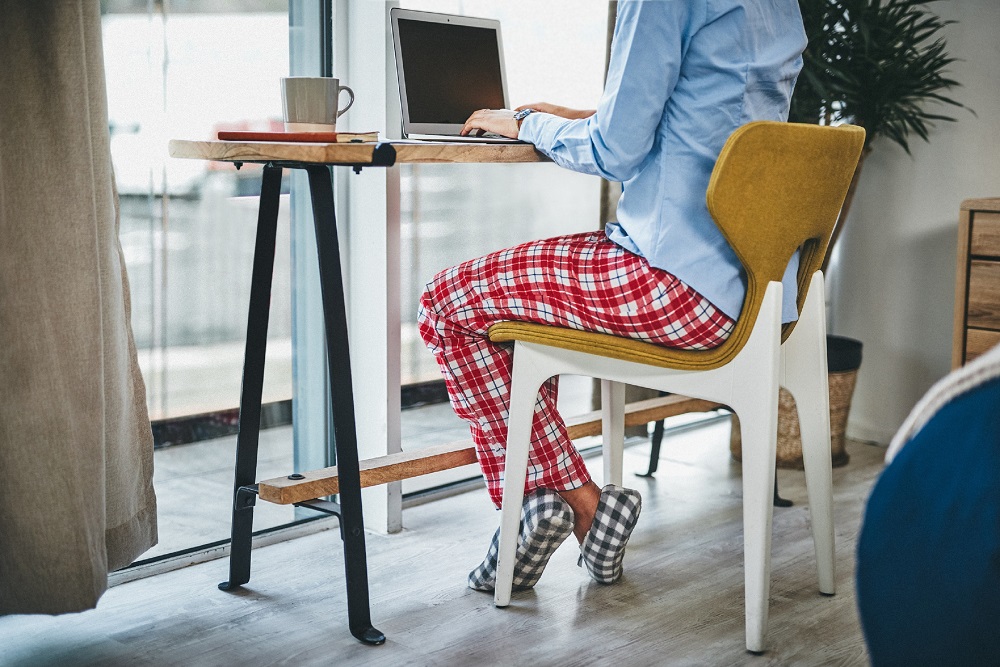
{"x":877,"y":63}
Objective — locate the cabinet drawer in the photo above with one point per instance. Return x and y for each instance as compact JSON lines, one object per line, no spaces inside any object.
{"x":986,"y":233}
{"x":984,"y":295}
{"x":978,"y":341}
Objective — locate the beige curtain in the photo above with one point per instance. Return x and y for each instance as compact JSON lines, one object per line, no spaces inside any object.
{"x":76,"y":496}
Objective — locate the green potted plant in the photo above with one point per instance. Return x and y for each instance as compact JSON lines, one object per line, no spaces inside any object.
{"x":880,"y":64}
{"x":883,"y":65}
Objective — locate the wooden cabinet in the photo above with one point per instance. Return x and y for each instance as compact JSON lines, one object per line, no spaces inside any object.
{"x":977,"y":281}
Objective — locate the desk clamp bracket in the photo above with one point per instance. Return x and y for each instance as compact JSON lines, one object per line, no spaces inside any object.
{"x":246,"y":498}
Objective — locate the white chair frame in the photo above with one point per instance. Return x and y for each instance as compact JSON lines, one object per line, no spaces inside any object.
{"x":749,"y":386}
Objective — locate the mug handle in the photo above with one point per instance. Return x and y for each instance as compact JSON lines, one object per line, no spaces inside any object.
{"x":350,"y":92}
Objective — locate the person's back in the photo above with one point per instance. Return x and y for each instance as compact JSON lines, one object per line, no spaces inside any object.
{"x":737,"y":62}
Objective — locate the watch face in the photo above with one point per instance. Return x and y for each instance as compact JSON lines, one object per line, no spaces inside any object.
{"x":521,"y":114}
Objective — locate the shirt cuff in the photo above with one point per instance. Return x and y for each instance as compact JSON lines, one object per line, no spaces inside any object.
{"x":538,"y":128}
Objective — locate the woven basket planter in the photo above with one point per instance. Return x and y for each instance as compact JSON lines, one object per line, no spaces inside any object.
{"x":843,"y":360}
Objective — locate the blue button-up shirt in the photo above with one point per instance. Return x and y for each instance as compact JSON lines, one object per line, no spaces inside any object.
{"x":683,"y":75}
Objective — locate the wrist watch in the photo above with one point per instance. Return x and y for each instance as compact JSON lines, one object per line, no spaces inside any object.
{"x":521,"y":115}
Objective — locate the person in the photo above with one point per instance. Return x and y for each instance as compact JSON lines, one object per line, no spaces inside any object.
{"x":682,"y":76}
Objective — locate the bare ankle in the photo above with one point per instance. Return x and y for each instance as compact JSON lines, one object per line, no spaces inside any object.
{"x":584,"y":501}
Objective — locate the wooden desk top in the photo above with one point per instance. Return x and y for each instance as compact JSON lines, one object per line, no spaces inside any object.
{"x":353,"y":153}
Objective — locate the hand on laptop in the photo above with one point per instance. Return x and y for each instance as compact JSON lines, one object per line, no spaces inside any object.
{"x":497,"y":121}
{"x":556,"y":110}
{"x":501,"y":121}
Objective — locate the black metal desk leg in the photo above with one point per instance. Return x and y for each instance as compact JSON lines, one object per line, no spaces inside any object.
{"x":654,"y":452}
{"x":253,"y":381}
{"x":341,"y":388}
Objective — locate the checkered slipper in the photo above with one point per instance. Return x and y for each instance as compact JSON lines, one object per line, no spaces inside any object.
{"x":546,"y":521}
{"x":603,"y":548}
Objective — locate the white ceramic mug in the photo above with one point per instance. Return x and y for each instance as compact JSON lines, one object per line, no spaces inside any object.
{"x":311,"y":103}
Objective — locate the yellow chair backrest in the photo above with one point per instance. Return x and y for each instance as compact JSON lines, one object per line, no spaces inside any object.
{"x":776,"y":187}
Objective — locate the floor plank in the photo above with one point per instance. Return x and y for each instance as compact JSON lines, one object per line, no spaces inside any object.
{"x":679,"y":603}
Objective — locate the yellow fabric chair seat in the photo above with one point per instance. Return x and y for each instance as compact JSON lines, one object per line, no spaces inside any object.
{"x":606,"y":345}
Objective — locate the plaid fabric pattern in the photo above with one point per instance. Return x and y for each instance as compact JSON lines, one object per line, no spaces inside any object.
{"x":546,"y":521}
{"x":603,"y":549}
{"x":581,"y":281}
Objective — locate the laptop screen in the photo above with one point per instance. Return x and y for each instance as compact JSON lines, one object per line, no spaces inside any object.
{"x":451,"y":70}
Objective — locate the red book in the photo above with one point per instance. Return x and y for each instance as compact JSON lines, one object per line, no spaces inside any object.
{"x":314,"y":137}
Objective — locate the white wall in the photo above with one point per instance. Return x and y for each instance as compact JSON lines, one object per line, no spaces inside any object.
{"x":893,"y":286}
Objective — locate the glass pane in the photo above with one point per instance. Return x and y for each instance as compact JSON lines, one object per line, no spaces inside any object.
{"x":188,"y":230}
{"x":554,"y":51}
{"x":188,"y":226}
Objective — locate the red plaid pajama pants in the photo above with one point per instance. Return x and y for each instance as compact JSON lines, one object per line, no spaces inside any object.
{"x":581,"y":281}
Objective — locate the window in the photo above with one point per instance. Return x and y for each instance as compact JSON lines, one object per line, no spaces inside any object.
{"x":175,"y":70}
{"x":187,"y":226}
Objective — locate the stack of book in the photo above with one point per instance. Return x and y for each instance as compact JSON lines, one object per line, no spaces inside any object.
{"x":301,"y":137}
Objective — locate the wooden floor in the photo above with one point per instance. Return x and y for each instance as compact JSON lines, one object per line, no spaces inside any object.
{"x":679,"y":603}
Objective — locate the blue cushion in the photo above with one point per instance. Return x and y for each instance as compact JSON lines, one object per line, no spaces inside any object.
{"x":928,"y":569}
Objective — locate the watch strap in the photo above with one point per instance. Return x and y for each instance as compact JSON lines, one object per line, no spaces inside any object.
{"x":521,"y":115}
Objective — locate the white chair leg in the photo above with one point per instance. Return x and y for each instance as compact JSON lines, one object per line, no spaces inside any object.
{"x":759,"y":433}
{"x":525,"y":382}
{"x":613,"y":429}
{"x":755,"y":400}
{"x":806,"y":379}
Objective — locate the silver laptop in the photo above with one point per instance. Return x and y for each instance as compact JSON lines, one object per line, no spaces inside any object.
{"x":448,"y":67}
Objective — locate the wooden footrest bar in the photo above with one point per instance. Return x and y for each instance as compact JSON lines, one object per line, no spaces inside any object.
{"x":395,"y":467}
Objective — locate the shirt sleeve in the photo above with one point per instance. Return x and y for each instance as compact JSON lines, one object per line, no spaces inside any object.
{"x":644,"y":67}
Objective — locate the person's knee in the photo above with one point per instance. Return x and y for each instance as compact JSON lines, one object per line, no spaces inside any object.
{"x":431,"y":308}
{"x":426,"y":318}
{"x":438,"y":293}
{"x":425,"y":304}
